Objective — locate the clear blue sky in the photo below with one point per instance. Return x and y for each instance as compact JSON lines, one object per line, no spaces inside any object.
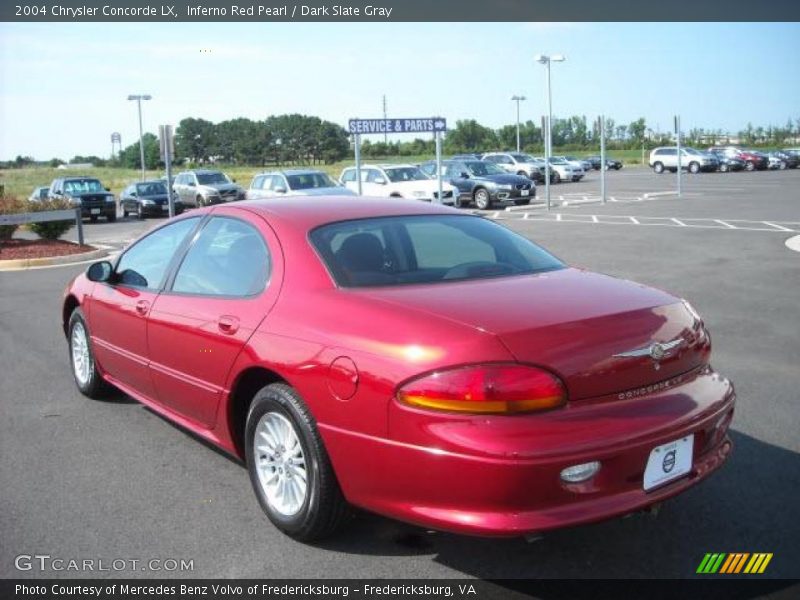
{"x":63,"y":87}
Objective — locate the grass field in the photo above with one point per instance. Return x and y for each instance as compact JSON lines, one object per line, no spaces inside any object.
{"x":20,"y":182}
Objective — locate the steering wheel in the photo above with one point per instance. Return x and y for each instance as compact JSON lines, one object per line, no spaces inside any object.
{"x":479,"y":268}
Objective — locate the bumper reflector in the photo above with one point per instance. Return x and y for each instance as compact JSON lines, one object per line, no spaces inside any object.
{"x":581,"y":472}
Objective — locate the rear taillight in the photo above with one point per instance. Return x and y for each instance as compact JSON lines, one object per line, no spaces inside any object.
{"x":486,"y":389}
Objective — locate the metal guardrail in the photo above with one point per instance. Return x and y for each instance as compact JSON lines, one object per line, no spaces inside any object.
{"x":46,"y":216}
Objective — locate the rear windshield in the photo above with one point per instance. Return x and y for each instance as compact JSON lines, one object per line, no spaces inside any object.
{"x":403,"y":250}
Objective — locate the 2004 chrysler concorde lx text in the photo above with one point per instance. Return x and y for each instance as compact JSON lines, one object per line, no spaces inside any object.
{"x":407,"y":359}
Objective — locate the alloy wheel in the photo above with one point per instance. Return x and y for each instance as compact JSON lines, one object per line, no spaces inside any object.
{"x":280,"y":464}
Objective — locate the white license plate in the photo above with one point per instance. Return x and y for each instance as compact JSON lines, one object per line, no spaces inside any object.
{"x":95,"y":211}
{"x":524,"y":192}
{"x":668,"y":461}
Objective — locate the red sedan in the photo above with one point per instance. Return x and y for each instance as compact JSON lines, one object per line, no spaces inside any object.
{"x":408,"y":359}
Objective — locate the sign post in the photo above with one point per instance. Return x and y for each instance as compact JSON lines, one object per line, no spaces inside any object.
{"x":678,"y":138}
{"x":545,"y":137}
{"x":435,"y":125}
{"x":166,"y":146}
{"x":601,"y":127}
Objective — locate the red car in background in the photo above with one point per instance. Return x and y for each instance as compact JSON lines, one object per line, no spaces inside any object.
{"x":408,"y":359}
{"x":753,"y":160}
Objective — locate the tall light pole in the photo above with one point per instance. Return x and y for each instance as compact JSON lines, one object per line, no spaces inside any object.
{"x":385,"y":136}
{"x":517,"y":99}
{"x":139,"y":98}
{"x":548,"y":143}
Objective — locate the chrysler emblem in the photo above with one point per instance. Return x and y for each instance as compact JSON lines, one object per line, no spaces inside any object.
{"x":657,"y":351}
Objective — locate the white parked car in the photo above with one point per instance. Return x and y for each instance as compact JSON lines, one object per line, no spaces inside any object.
{"x":666,"y":159}
{"x":579,"y":163}
{"x":397,"y":181}
{"x":564,"y":171}
{"x":295,"y":182}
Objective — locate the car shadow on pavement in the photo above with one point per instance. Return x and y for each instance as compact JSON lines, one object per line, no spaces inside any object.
{"x":745,"y":507}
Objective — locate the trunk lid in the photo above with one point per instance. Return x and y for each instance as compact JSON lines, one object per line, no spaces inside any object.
{"x":596,"y":332}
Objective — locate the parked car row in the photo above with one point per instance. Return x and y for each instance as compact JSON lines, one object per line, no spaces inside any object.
{"x":721,"y":158}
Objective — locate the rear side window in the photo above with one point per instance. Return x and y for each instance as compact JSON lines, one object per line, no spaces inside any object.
{"x":228,"y":258}
{"x":425,"y":249}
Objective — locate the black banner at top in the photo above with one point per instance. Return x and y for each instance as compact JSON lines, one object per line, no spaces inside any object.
{"x":393,"y":10}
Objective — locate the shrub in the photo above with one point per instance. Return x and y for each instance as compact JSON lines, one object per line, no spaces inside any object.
{"x":9,"y":205}
{"x":51,"y":230}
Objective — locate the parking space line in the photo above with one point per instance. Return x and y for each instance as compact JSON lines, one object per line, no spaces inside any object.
{"x":728,"y":225}
{"x":694,"y":223}
{"x":780,"y":227}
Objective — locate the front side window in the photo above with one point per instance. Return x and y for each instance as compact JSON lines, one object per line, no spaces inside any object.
{"x":349,"y":176}
{"x":145,"y":263}
{"x":425,"y":249}
{"x":228,"y":258}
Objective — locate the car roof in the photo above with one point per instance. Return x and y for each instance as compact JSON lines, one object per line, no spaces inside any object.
{"x":314,"y":211}
{"x":203,"y":171}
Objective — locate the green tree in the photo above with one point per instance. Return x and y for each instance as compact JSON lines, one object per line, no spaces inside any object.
{"x":194,"y":139}
{"x":130,"y":156}
{"x":469,"y":136}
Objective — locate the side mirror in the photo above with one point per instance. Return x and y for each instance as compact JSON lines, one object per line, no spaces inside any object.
{"x":100,"y":271}
{"x":280,"y":190}
{"x":108,"y":189}
{"x":190,"y":184}
{"x":133,"y":193}
{"x":464,"y":175}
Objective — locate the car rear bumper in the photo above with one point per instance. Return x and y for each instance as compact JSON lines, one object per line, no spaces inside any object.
{"x":102,"y":211}
{"x":500,"y":476}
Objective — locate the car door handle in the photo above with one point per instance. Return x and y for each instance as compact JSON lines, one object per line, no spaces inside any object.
{"x":228,"y":324}
{"x":142,"y":306}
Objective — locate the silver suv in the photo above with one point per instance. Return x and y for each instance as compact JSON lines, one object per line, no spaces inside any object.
{"x":201,"y":187}
{"x":666,"y":159}
{"x":517,"y":163}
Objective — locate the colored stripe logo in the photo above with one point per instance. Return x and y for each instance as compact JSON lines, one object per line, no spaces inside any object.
{"x":734,"y":563}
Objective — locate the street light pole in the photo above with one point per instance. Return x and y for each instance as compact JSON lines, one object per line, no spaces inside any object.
{"x":548,"y":142}
{"x":139,"y":98}
{"x":518,"y":99}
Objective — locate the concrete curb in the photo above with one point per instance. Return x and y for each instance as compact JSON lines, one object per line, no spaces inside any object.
{"x":19,"y":264}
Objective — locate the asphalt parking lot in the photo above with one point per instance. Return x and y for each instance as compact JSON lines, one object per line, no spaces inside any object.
{"x":89,"y":479}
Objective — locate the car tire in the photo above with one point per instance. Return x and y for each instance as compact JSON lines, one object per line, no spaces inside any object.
{"x":749,"y":166}
{"x":199,"y":201}
{"x":483,"y":200}
{"x":84,"y":369}
{"x":782,"y":165}
{"x":124,"y":212}
{"x":139,"y":212}
{"x":316,"y":507}
{"x":723,"y":168}
{"x":112,"y":217}
{"x":694,"y":168}
{"x":658,"y":168}
{"x":556,"y":177}
{"x":93,"y":218}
